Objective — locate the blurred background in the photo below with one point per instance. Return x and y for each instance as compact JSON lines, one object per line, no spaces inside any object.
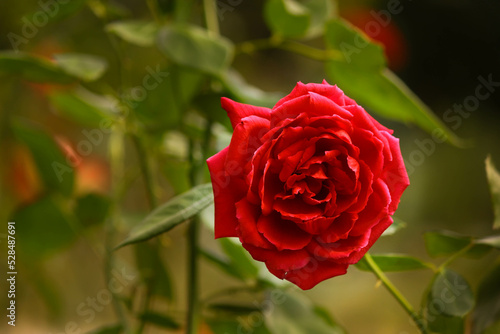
{"x":439,"y":48}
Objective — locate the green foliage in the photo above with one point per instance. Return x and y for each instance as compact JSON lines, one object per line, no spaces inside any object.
{"x":82,"y":66}
{"x":83,"y":107}
{"x":487,"y":312}
{"x":92,"y":209}
{"x":153,"y":271}
{"x":394,"y":262}
{"x":445,"y":243}
{"x":44,"y":228}
{"x":114,"y":329}
{"x":160,"y":320}
{"x":32,"y":68}
{"x":239,"y":259}
{"x":494,"y":182}
{"x":361,"y":72}
{"x":193,"y":47}
{"x":294,"y":314}
{"x":140,"y":33}
{"x":170,"y":214}
{"x":451,"y":294}
{"x":287,"y":18}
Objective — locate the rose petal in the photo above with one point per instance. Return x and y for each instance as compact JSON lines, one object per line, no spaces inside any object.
{"x":237,"y":111}
{"x":313,"y":273}
{"x":246,"y":140}
{"x":280,"y":260}
{"x":224,"y":196}
{"x":247,"y":215}
{"x":283,"y":234}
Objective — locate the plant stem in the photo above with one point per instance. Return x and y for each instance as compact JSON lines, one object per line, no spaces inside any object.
{"x":291,"y":46}
{"x":396,"y":293}
{"x":146,"y":171}
{"x":455,"y":256}
{"x":193,"y":302}
{"x":116,"y":152}
{"x":211,"y":19}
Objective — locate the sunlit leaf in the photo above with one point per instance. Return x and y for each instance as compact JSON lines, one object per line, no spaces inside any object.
{"x":222,"y":263}
{"x":450,"y":294}
{"x":83,"y":66}
{"x":445,"y":243}
{"x":83,"y":107}
{"x":196,"y":48}
{"x":32,"y":68}
{"x":141,"y":33}
{"x":240,"y":260}
{"x":494,"y":182}
{"x":360,"y":71}
{"x":295,"y":314}
{"x":246,"y":93}
{"x":394,"y":262}
{"x":492,"y":241}
{"x":56,"y":173}
{"x":487,"y":310}
{"x":171,"y":214}
{"x":397,"y":225}
{"x":288,"y":18}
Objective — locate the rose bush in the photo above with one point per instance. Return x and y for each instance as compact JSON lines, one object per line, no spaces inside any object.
{"x":309,"y":185}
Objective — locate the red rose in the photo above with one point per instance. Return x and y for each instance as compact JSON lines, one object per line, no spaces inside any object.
{"x":307,"y":186}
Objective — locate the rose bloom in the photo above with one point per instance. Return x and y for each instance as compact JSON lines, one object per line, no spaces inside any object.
{"x":307,"y":186}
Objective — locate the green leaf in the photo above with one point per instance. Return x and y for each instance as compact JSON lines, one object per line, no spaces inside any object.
{"x":287,"y":18}
{"x":222,"y":263}
{"x":295,"y":314}
{"x":394,"y":262}
{"x":153,"y":270}
{"x":48,"y":157}
{"x":320,"y":11}
{"x":487,"y":310}
{"x":92,"y":209}
{"x":165,"y":98}
{"x":32,"y":68}
{"x":445,"y":243}
{"x":325,"y":315}
{"x":141,"y":33}
{"x":171,"y":214}
{"x":240,"y":260}
{"x":494,"y":181}
{"x":115,"y":329}
{"x":83,"y":66}
{"x":196,"y":48}
{"x":445,"y":324}
{"x":397,"y":225}
{"x":234,"y":309}
{"x":44,"y":228}
{"x":450,"y":294}
{"x":492,"y":241}
{"x":361,"y":72}
{"x":241,"y":325}
{"x":243,"y":92}
{"x":84,"y":107}
{"x":160,"y":320}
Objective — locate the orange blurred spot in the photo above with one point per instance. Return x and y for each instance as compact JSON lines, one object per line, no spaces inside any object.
{"x":22,"y":177}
